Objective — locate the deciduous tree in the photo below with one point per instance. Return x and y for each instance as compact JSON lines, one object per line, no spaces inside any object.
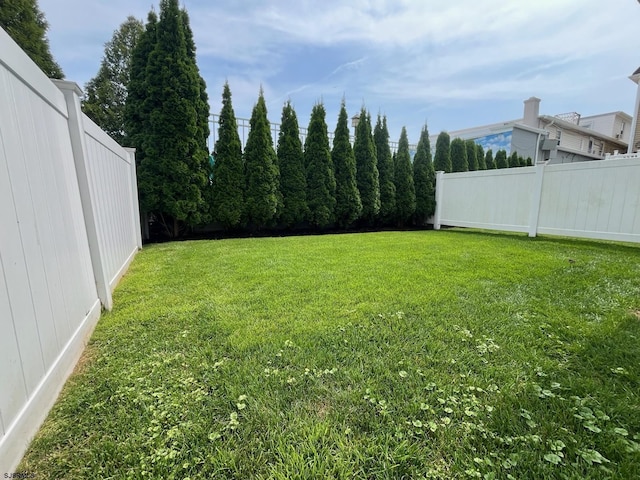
{"x":105,"y":95}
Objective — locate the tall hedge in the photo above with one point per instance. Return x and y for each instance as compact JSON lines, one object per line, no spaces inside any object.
{"x":174,"y":171}
{"x":386,"y":173}
{"x":405,"y":188}
{"x":367,"y":169}
{"x":424,"y":178}
{"x":227,"y":192}
{"x":348,"y":204}
{"x":459,"y":156}
{"x":293,"y":182}
{"x":482,"y":164}
{"x":501,"y":159}
{"x":262,"y":193}
{"x":321,"y":181}
{"x":442,"y":160}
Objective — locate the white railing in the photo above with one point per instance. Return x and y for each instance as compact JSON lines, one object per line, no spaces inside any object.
{"x":70,"y":227}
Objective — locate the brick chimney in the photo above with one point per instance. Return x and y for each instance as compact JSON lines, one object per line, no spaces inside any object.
{"x":531,"y":112}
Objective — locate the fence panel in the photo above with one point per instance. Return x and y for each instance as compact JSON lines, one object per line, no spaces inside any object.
{"x":594,"y":200}
{"x":110,"y":170}
{"x":499,"y":199}
{"x":599,"y":200}
{"x":49,"y":300}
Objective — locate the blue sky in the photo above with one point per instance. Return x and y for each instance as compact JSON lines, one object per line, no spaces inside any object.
{"x":453,"y":64}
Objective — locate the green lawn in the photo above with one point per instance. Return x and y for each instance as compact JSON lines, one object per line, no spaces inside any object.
{"x":454,"y":354}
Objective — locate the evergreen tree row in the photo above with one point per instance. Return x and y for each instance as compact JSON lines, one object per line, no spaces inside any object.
{"x":459,"y":155}
{"x":317,"y":185}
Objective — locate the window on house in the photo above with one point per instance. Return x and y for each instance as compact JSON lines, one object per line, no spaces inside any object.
{"x":590,"y":149}
{"x":559,"y":135}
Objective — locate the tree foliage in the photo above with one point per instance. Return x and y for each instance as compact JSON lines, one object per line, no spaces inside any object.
{"x":261,"y":170}
{"x":472,"y":160}
{"x":202,"y":103}
{"x":513,"y":160}
{"x":137,"y":111}
{"x":26,"y":24}
{"x":105,"y":94}
{"x":293,"y":183}
{"x":174,"y":171}
{"x":385,"y":171}
{"x":367,"y":169}
{"x":424,"y":178}
{"x":488,"y":159}
{"x":442,"y":160}
{"x":482,"y":164}
{"x":501,"y":159}
{"x":459,"y":156}
{"x":348,"y":204}
{"x":227,"y":192}
{"x":321,"y":181}
{"x":405,"y":188}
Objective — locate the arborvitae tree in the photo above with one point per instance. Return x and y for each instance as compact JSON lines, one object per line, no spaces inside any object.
{"x":25,"y":23}
{"x":521,"y":161}
{"x":321,"y":181}
{"x":513,"y":160}
{"x":501,"y":159}
{"x":482,"y":164}
{"x":106,"y":94}
{"x":405,"y":188}
{"x":202,"y":105}
{"x":386,"y":172}
{"x":488,"y":159}
{"x":472,"y":160}
{"x":137,"y":110}
{"x":227,"y":192}
{"x":529,"y":162}
{"x":174,"y":172}
{"x":348,"y":204}
{"x":367,"y":169}
{"x":459,"y":156}
{"x":442,"y":160}
{"x":293,"y":183}
{"x":424,"y":177}
{"x":261,"y":170}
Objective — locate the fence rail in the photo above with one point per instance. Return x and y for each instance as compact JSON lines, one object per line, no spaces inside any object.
{"x":70,"y":227}
{"x":244,"y":127}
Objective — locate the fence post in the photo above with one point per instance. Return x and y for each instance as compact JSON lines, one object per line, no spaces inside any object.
{"x":439,"y":195}
{"x":72,"y":94}
{"x":534,"y":212}
{"x":134,"y":197}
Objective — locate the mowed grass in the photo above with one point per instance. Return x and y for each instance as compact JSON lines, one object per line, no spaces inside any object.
{"x":454,"y":354}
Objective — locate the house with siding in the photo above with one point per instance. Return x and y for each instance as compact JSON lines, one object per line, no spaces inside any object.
{"x":564,"y":138}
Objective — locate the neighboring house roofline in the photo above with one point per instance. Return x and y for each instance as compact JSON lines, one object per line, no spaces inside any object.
{"x":585,"y":131}
{"x":619,"y":112}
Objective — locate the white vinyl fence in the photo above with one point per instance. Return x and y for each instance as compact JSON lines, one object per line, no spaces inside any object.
{"x":69,"y":227}
{"x":599,"y":199}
